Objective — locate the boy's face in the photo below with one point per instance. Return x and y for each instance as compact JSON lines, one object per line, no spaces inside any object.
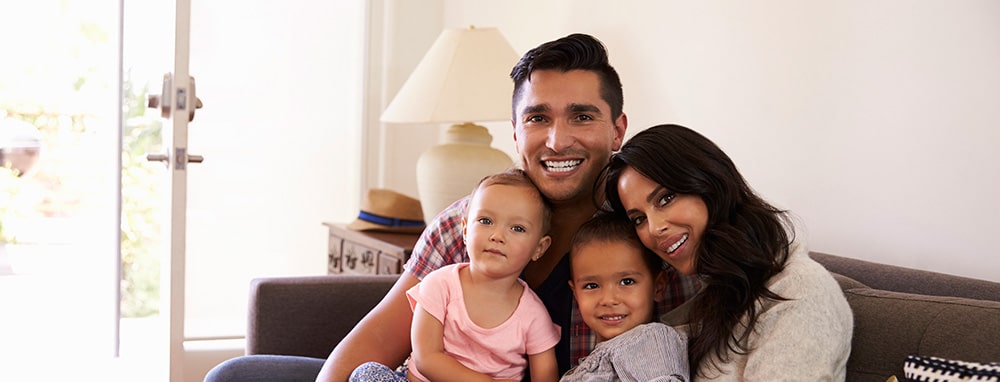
{"x":503,"y":230}
{"x":614,"y":287}
{"x":564,"y":133}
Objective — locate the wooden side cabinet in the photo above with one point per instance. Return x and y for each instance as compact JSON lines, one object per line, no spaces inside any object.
{"x":366,"y":252}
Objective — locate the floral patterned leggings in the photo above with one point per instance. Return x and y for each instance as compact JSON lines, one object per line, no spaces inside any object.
{"x":377,"y":372}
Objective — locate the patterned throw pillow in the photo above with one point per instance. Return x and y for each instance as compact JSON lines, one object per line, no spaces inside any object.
{"x":934,"y":369}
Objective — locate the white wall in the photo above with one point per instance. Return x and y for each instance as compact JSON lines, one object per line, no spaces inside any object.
{"x":280,"y":132}
{"x":875,"y":121}
{"x":280,"y":135}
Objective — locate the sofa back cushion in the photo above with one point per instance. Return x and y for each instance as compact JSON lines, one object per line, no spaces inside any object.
{"x":308,"y":316}
{"x":889,"y":326}
{"x":908,"y":280}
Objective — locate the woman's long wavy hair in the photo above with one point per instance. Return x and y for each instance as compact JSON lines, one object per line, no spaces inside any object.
{"x":745,"y":242}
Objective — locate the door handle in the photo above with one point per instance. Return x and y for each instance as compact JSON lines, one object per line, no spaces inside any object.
{"x":154,"y":157}
{"x":180,"y":153}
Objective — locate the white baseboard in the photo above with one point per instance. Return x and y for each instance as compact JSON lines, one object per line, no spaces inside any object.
{"x":202,"y":356}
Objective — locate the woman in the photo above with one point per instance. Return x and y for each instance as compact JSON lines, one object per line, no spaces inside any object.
{"x":766,"y":311}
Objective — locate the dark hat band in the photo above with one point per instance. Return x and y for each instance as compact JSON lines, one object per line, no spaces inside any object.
{"x":387,"y":221}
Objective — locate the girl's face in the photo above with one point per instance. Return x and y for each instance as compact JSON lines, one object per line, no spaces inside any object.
{"x":668,"y":223}
{"x":503,"y":230}
{"x":614,"y":287}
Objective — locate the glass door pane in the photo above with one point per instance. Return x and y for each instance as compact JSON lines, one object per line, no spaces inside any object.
{"x":280,"y":133}
{"x":59,"y":129}
{"x":147,"y":54}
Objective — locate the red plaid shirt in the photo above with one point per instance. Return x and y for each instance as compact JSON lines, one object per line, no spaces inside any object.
{"x":441,"y":244}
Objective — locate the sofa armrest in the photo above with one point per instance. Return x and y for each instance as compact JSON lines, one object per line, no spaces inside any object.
{"x":308,"y":316}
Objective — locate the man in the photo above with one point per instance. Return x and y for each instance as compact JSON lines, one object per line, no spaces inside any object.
{"x":567,"y":120}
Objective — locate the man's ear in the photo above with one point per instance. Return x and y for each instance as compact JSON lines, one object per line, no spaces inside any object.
{"x":513,"y":133}
{"x":543,"y":245}
{"x":659,"y":285}
{"x":621,"y":124}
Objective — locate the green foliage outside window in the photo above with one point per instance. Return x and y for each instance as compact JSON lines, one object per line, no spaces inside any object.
{"x":54,"y":80}
{"x":141,"y":192}
{"x":142,"y":218}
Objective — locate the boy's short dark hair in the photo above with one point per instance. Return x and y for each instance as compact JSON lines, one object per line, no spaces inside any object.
{"x":606,"y":227}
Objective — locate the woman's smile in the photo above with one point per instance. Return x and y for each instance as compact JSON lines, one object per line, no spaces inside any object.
{"x":668,"y":223}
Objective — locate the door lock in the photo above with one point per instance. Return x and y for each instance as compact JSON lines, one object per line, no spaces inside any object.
{"x":163,"y":102}
{"x":166,"y":104}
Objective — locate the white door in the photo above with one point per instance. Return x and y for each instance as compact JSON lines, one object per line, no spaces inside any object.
{"x":179,"y":101}
{"x":156,"y":39}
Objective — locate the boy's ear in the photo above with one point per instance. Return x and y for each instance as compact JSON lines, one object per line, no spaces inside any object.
{"x":660,"y":285}
{"x":543,"y":245}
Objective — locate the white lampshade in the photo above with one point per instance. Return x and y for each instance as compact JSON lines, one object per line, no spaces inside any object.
{"x":463,"y":78}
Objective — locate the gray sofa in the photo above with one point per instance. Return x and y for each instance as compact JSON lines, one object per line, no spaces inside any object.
{"x":898,"y":311}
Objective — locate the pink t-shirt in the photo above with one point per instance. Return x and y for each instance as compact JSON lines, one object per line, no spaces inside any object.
{"x":498,"y":352}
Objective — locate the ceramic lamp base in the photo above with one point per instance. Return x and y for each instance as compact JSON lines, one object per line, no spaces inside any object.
{"x":447,"y":172}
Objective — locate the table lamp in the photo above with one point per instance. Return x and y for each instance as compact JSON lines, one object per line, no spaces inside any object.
{"x":464,"y":78}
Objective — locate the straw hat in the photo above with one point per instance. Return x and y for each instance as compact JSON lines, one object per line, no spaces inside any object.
{"x":389,"y":211}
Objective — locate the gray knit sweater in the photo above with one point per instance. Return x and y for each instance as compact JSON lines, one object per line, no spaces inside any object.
{"x":805,"y":338}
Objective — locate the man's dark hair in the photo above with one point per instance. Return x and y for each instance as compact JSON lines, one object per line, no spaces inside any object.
{"x":574,"y":52}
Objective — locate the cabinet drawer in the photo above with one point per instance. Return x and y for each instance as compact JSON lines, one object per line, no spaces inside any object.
{"x":389,"y":264}
{"x":335,"y":257}
{"x":358,"y":258}
{"x":367,"y":252}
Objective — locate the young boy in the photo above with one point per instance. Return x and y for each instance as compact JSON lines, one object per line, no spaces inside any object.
{"x":477,"y":320}
{"x":616,"y":282}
